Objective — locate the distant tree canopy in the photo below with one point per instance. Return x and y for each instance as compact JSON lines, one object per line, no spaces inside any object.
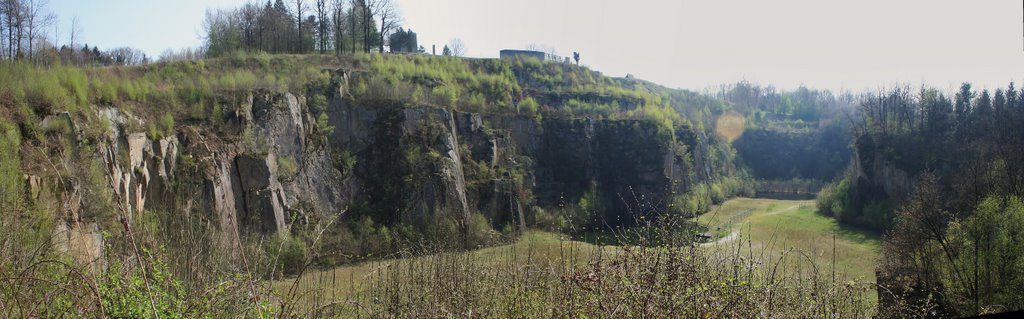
{"x":798,"y":134}
{"x":403,"y":41}
{"x":771,"y":104}
{"x":276,"y":27}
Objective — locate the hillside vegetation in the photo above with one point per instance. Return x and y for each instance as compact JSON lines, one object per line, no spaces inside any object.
{"x":176,"y":188}
{"x":943,"y":177}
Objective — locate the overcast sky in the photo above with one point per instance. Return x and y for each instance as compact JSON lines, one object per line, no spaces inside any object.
{"x":691,"y":44}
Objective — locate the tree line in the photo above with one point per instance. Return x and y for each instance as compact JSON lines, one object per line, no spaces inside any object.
{"x":23,"y":27}
{"x":24,"y":35}
{"x":307,"y":26}
{"x":954,"y":241}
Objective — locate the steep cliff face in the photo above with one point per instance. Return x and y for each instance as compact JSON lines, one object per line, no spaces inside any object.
{"x":269,"y":165}
{"x":873,"y":187}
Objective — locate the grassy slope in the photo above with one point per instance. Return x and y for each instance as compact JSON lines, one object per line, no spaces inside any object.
{"x":779,"y":225}
{"x":766,"y":226}
{"x":770,"y":228}
{"x":534,"y":248}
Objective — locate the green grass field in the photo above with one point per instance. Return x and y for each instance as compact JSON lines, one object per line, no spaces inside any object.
{"x":535,"y":248}
{"x":769,"y":229}
{"x":786,"y":235}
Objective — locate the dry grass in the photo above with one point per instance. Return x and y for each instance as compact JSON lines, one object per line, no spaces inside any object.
{"x":773,"y":228}
{"x":536,"y":248}
{"x":546,"y":275}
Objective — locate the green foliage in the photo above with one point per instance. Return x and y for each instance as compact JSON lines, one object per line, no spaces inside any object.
{"x":11,"y":182}
{"x":323,"y":124}
{"x":545,"y":220}
{"x":832,"y":199}
{"x":287,"y":252}
{"x":990,"y":245}
{"x":528,"y":106}
{"x":877,"y":214}
{"x":446,"y":95}
{"x":319,"y":103}
{"x":217,"y":115}
{"x":695,"y":201}
{"x":590,"y":205}
{"x":286,"y":168}
{"x":479,"y":232}
{"x":126,"y":294}
{"x":344,"y":161}
{"x":97,"y":197}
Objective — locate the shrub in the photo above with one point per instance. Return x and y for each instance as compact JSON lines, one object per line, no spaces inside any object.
{"x":318,"y":103}
{"x":528,"y":106}
{"x":833,"y":198}
{"x":693,"y":202}
{"x":287,"y":252}
{"x":344,"y":161}
{"x":446,"y":95}
{"x":217,"y":115}
{"x":542,"y":219}
{"x":591,"y":205}
{"x":11,"y":182}
{"x":479,"y":232}
{"x":286,"y":168}
{"x":167,"y":125}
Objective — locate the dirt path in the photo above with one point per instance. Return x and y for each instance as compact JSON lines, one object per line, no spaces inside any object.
{"x":723,"y":240}
{"x":783,"y":211}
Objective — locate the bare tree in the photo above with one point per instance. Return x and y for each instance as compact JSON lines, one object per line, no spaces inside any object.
{"x":300,"y":9}
{"x":3,"y":29}
{"x":387,"y":11}
{"x":76,"y":31}
{"x":367,"y":18}
{"x":14,"y":12}
{"x":37,"y":21}
{"x":339,"y":26}
{"x":127,"y":56}
{"x":352,"y":21}
{"x":249,"y":21}
{"x":322,"y":19}
{"x":457,"y":47}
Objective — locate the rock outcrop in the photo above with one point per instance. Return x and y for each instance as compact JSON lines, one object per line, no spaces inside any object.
{"x":269,"y":164}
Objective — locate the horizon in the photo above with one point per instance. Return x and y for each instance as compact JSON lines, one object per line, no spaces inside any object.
{"x":694,"y":45}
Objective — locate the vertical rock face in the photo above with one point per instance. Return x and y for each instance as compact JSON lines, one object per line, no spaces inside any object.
{"x":270,"y":164}
{"x":449,"y":180}
{"x":239,"y":183}
{"x":874,"y":171}
{"x":262,"y":197}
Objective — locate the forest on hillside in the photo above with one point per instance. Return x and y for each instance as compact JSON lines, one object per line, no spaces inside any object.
{"x":942,"y":175}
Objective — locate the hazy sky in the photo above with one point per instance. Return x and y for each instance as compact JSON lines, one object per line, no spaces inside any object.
{"x":692,"y":44}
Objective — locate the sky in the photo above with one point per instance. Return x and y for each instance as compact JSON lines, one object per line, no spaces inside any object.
{"x":693,"y":44}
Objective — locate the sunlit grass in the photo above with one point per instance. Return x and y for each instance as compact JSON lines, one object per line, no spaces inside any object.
{"x":769,"y":228}
{"x":535,"y":248}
